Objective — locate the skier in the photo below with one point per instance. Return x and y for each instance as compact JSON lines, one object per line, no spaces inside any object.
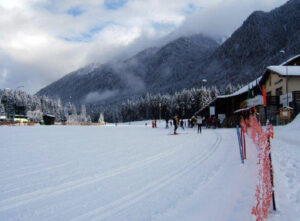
{"x":199,"y":122}
{"x":175,"y":122}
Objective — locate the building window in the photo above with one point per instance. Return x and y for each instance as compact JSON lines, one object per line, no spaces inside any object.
{"x":277,"y":82}
{"x":270,"y":82}
{"x":279,"y":91}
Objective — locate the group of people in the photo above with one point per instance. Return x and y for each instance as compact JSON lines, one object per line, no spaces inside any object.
{"x":212,"y":122}
{"x":199,"y":121}
{"x":184,"y":123}
{"x":209,"y":122}
{"x":176,"y":122}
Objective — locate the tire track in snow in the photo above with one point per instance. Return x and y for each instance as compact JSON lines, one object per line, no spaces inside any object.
{"x":26,"y":198}
{"x":134,"y":197}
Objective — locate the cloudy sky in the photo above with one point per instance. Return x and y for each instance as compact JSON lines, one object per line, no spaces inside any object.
{"x":42,"y":40}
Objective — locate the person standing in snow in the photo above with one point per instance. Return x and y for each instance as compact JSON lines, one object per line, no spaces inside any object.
{"x":175,"y":122}
{"x":199,"y":123}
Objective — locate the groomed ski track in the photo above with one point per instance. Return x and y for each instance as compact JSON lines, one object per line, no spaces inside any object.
{"x":124,"y":173}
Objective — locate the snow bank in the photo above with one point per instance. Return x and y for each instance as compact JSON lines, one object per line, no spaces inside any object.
{"x":286,"y":154}
{"x":295,"y":124}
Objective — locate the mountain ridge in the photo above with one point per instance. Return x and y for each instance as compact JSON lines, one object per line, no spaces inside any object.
{"x":147,"y":71}
{"x":256,"y":44}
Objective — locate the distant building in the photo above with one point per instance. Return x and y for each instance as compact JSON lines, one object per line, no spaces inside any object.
{"x":12,"y":109}
{"x":49,"y":119}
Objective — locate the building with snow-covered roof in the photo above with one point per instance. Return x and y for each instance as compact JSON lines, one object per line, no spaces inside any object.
{"x":292,"y":61}
{"x":223,"y":107}
{"x":282,"y":83}
{"x":278,"y":80}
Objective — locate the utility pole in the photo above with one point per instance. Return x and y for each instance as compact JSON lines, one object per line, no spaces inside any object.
{"x":287,"y":86}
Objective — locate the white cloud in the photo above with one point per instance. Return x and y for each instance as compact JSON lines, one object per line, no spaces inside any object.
{"x":42,"y":40}
{"x":100,"y":96}
{"x":224,"y":18}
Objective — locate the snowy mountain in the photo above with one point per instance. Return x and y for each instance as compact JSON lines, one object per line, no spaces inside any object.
{"x":165,"y":69}
{"x":255,"y":45}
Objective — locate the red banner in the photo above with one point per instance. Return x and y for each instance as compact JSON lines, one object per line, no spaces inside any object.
{"x":264,"y":95}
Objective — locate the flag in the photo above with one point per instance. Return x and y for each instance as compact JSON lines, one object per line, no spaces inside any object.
{"x":264,"y":95}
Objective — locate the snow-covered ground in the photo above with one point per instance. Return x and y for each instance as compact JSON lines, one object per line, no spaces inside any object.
{"x":286,"y":161}
{"x":137,"y":173}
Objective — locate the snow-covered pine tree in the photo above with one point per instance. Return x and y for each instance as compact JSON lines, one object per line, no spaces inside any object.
{"x":35,"y":116}
{"x":229,"y":89}
{"x":101,"y":118}
{"x":214,"y":92}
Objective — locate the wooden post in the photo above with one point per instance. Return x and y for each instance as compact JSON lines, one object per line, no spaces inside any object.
{"x":271,"y":170}
{"x":240,"y":143}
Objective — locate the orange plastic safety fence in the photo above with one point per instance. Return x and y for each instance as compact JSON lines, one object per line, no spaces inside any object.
{"x":261,"y":138}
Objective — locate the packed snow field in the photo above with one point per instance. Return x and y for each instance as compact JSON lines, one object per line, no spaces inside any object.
{"x":286,"y":161}
{"x":133,"y":172}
